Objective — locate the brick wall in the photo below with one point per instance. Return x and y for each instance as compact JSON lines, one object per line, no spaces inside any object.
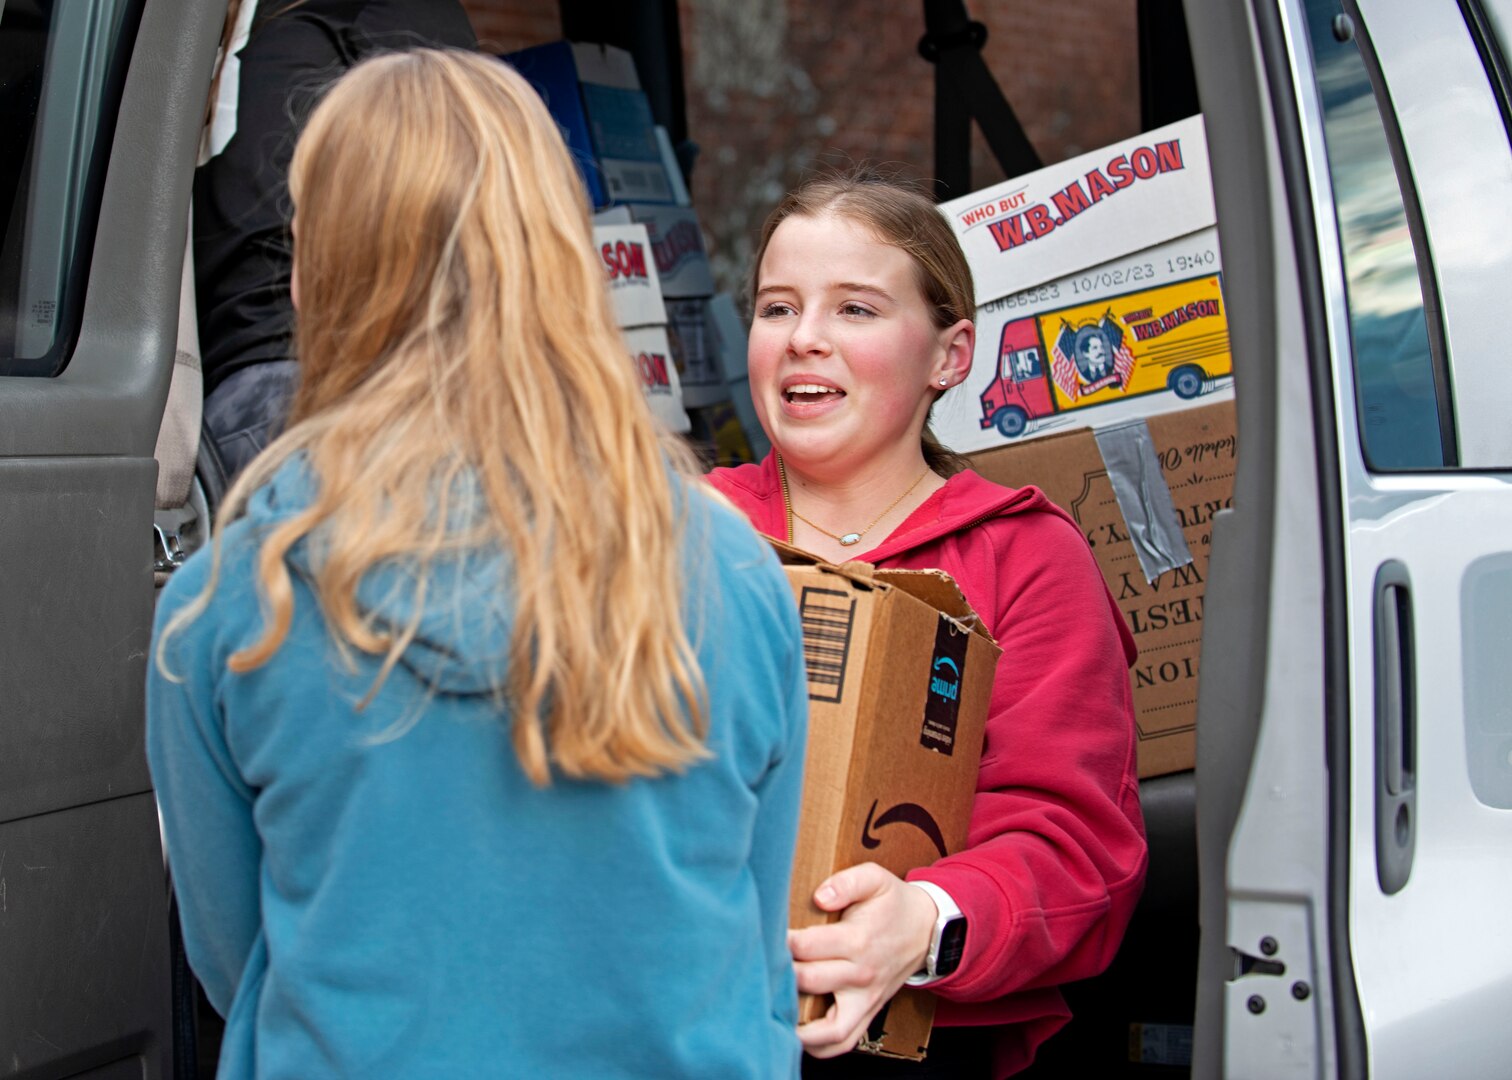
{"x":779,"y":88}
{"x":506,"y":25}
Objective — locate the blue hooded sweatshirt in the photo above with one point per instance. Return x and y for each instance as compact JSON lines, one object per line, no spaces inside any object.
{"x":381,"y":892}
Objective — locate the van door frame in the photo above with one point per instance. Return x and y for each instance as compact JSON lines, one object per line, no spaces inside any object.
{"x":1272,"y":806}
{"x":86,"y":942}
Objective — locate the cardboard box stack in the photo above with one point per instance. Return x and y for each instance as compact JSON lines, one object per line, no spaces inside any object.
{"x":707,"y":334}
{"x":1196,"y":451}
{"x":635,"y":291}
{"x":632,"y":177}
{"x":900,"y":675}
{"x":727,"y":332}
{"x":594,"y":94}
{"x":1103,"y":375}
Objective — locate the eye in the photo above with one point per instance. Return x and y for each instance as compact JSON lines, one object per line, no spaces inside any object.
{"x":776,"y":309}
{"x":858,"y":310}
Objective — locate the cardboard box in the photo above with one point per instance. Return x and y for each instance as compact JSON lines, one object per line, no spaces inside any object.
{"x":694,"y":342}
{"x":718,"y":437}
{"x":1161,"y":319}
{"x":1099,"y":288}
{"x":634,"y":287}
{"x":651,"y":354}
{"x":729,"y":332}
{"x":596,"y":99}
{"x":1086,"y":210}
{"x":900,"y":676}
{"x":1196,"y":451}
{"x":635,"y":293}
{"x":677,"y":242}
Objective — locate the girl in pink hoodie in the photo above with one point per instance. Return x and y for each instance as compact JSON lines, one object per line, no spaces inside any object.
{"x":863,"y":307}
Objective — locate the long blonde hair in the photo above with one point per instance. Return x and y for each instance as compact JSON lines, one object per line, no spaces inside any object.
{"x":454,"y":332}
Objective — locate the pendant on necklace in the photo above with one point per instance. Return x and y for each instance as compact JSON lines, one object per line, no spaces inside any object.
{"x":850,"y":538}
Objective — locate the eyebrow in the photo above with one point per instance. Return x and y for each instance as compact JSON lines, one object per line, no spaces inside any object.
{"x":861,"y":286}
{"x":840,"y":286}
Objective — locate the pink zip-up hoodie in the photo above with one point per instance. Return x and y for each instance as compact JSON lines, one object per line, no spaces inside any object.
{"x":1056,"y":855}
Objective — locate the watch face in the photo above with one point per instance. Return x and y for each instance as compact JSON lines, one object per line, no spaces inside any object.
{"x":952,"y":945}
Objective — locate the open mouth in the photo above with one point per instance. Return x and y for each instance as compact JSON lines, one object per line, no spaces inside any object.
{"x":811,"y":394}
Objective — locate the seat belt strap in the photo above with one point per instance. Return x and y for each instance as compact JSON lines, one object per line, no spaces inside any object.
{"x":179,"y":434}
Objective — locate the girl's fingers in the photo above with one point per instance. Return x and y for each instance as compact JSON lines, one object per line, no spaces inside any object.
{"x":827,"y":976}
{"x":828,"y":942}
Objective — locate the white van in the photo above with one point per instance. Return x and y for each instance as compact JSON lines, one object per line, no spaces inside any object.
{"x":1329,"y":888}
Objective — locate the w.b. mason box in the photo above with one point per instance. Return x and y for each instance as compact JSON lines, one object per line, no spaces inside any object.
{"x":900,"y":676}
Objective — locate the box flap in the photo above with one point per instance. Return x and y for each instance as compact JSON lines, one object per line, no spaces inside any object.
{"x":934,"y":587}
{"x":939,"y":590}
{"x":862,"y":573}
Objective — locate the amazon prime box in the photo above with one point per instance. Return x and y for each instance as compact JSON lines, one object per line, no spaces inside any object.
{"x":900,"y":674}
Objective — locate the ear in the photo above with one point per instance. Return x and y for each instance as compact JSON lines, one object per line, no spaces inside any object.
{"x":957,"y":342}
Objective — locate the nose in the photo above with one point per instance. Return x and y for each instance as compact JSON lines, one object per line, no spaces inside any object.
{"x":808,"y":337}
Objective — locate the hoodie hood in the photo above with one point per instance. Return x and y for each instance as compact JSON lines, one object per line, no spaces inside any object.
{"x":465,"y":599}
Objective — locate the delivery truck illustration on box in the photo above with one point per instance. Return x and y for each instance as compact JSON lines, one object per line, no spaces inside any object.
{"x":1173,"y":338}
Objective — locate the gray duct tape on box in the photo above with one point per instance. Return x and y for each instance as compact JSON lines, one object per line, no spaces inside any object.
{"x":1128,"y":452}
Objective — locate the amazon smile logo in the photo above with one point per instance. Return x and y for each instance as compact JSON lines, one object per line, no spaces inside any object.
{"x":946,"y":681}
{"x":903,"y":814}
{"x":942,"y":701}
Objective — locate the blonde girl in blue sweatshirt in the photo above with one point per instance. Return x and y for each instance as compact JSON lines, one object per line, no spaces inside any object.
{"x":478,"y":733}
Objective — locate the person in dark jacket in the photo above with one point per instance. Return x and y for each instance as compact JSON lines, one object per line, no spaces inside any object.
{"x":277,"y":58}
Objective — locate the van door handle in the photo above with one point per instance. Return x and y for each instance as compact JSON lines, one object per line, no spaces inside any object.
{"x":1395,"y":728}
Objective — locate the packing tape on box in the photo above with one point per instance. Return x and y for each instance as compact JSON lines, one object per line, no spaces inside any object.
{"x":1128,"y":453}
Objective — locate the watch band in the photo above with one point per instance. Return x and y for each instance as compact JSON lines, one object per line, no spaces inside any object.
{"x":949,"y":923}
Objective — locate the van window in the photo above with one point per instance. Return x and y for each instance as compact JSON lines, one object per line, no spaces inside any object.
{"x":62,"y":63}
{"x":1394,"y":363}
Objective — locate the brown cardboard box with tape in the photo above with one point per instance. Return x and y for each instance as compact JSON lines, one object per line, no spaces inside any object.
{"x":900,"y":675}
{"x":1183,"y":467}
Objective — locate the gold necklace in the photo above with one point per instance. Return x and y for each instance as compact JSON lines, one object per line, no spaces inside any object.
{"x":849,"y":539}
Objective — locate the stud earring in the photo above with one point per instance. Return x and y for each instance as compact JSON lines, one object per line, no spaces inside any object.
{"x":944,"y":381}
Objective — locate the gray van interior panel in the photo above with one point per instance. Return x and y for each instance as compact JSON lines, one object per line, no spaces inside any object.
{"x":84,"y":916}
{"x":109,"y":398}
{"x":83,"y":906}
{"x":76,"y":565}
